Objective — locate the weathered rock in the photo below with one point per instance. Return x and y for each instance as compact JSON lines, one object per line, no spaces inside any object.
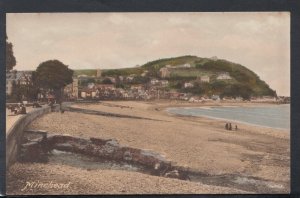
{"x":64,"y":147}
{"x":108,"y":149}
{"x":113,"y":142}
{"x":157,"y":166}
{"x":36,"y":131}
{"x":30,"y":145}
{"x":98,"y":141}
{"x":153,"y":154}
{"x":87,"y":150}
{"x":127,"y":156}
{"x":172,"y":174}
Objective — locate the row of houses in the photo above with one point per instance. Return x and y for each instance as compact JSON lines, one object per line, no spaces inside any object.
{"x":270,"y":99}
{"x":110,"y":92}
{"x":17,"y":77}
{"x":206,"y":79}
{"x":141,"y":92}
{"x":152,"y":90}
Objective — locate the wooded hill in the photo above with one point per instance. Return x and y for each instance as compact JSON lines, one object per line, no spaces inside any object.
{"x":243,"y":82}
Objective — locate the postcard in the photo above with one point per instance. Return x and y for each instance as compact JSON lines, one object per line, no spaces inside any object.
{"x":148,"y":103}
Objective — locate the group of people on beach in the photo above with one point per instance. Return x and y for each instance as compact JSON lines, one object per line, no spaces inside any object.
{"x":228,"y":126}
{"x":17,"y":109}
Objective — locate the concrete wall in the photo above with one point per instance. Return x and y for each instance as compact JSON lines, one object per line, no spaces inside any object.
{"x":15,"y":133}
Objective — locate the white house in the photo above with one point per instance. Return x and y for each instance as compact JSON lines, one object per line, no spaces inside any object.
{"x":145,"y":73}
{"x":186,"y":65}
{"x":164,"y":83}
{"x":188,"y":85}
{"x":129,"y":78}
{"x":204,"y":78}
{"x":154,"y":81}
{"x":91,"y":85}
{"x":121,"y":78}
{"x":83,"y":94}
{"x":224,"y":76}
{"x":215,"y":97}
{"x":93,"y":94}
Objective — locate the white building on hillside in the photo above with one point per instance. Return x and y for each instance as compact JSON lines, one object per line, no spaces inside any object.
{"x":164,"y":83}
{"x":145,"y":73}
{"x":224,"y":76}
{"x":186,"y":65}
{"x":188,"y":85}
{"x":204,"y":78}
{"x":154,"y":81}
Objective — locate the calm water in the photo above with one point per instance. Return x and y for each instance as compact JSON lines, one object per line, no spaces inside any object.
{"x":275,"y":116}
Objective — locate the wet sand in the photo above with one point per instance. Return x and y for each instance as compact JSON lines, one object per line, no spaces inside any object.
{"x":201,"y":144}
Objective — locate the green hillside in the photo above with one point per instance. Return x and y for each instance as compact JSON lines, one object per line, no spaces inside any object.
{"x":244,"y":82}
{"x":123,"y":71}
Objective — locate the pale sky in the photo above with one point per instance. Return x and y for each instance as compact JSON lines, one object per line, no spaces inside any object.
{"x":257,"y":40}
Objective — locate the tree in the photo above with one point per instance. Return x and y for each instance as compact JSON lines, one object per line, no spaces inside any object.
{"x":15,"y":94}
{"x":10,"y":58}
{"x":217,"y":87}
{"x":33,"y":88}
{"x":53,"y":75}
{"x":140,"y":80}
{"x":238,"y":90}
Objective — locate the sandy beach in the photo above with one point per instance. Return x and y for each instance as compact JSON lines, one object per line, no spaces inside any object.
{"x":200,"y":144}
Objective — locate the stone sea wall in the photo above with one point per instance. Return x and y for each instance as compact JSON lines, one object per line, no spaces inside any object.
{"x":15,"y":133}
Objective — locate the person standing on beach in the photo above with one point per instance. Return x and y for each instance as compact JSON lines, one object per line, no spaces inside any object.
{"x":230,"y":127}
{"x":226,"y":126}
{"x":236,"y":128}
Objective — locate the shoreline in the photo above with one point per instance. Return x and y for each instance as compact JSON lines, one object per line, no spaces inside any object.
{"x":179,"y":103}
{"x":199,"y":144}
{"x":276,"y":132}
{"x":222,"y":119}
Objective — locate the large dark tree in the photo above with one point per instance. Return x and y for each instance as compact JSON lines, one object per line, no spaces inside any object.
{"x":16,"y":93}
{"x":53,"y":75}
{"x":10,"y":58}
{"x":33,"y":88}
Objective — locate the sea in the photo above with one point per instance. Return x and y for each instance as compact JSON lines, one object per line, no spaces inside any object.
{"x":274,"y":116}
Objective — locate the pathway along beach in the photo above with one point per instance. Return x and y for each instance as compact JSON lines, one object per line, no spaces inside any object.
{"x":251,"y":155}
